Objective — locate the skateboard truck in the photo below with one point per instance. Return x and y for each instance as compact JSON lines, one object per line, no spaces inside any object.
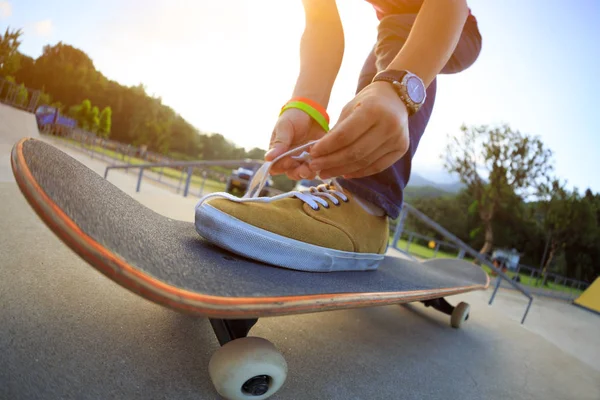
{"x":458,"y":314}
{"x":227,"y":330}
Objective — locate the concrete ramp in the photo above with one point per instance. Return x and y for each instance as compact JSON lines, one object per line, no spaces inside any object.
{"x":14,"y":125}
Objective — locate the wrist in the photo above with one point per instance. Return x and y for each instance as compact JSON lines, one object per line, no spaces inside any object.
{"x":318,"y":96}
{"x":312,"y":109}
{"x":408,"y":88}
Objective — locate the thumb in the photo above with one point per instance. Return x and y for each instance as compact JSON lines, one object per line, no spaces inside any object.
{"x":282,"y":138}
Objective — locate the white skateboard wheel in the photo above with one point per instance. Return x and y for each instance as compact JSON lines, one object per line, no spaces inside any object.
{"x":247,"y":368}
{"x":459,"y":315}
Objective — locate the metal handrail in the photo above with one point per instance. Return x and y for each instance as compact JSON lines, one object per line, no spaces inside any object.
{"x":193,"y":164}
{"x":464,"y":249}
{"x":190,"y":165}
{"x":571,"y":285}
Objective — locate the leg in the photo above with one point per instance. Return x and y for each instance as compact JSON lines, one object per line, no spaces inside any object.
{"x":386,"y":188}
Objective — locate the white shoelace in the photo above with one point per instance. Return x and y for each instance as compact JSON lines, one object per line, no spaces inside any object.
{"x":313,"y":196}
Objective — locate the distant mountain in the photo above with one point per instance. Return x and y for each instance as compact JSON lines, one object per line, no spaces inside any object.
{"x":423,"y":192}
{"x":417,"y":180}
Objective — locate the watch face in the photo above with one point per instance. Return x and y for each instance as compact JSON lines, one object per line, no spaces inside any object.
{"x":415,"y":89}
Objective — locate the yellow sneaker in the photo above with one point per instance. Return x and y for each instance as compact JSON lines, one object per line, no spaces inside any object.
{"x":323,"y":229}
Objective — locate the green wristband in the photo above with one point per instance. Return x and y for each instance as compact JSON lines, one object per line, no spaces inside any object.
{"x":310,"y":110}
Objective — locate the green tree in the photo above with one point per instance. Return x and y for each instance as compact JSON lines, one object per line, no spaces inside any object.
{"x":449,"y":211}
{"x":86,"y":115}
{"x":105,"y":122}
{"x":9,"y":55}
{"x":217,"y":147}
{"x":496,"y":163}
{"x":21,"y":94}
{"x":570,"y":221}
{"x":69,"y":76}
{"x":44,"y":99}
{"x":256,"y":154}
{"x":94,"y":119}
{"x":81,"y":114}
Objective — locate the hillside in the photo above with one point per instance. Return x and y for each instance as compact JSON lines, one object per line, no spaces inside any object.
{"x":418,"y":181}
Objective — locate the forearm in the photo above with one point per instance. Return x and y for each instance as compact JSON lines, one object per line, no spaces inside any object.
{"x":321,"y":51}
{"x":433,"y":38}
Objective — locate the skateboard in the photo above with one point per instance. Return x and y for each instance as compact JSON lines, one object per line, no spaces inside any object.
{"x":167,"y":262}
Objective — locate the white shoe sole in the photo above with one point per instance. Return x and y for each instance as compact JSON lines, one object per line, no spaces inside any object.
{"x":249,"y":241}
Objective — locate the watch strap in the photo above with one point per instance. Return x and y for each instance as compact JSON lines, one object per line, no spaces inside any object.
{"x":390,"y":76}
{"x":396,"y":78}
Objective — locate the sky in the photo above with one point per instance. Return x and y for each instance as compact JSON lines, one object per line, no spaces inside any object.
{"x":228,"y":66}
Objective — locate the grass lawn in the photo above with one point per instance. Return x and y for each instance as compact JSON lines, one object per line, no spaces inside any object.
{"x":425,"y":252}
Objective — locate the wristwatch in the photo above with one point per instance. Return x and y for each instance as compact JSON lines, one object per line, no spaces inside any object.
{"x":409,"y":87}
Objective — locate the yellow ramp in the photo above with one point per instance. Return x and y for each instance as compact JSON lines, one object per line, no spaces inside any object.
{"x":590,"y":299}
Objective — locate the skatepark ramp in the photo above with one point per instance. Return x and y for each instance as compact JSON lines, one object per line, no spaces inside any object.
{"x":590,"y":299}
{"x":14,"y":125}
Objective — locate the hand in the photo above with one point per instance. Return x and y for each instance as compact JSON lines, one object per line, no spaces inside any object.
{"x":370,"y":135}
{"x":293,"y":128}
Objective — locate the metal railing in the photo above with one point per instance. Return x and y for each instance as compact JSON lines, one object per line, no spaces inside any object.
{"x":571,"y":288}
{"x":176,"y":175}
{"x":189,"y":167}
{"x":463,"y":249}
{"x":564,"y":287}
{"x":538,"y":282}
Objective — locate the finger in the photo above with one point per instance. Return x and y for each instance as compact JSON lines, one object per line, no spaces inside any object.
{"x":285,"y":164}
{"x":359,"y":151}
{"x":288,"y":163}
{"x":345,"y":132}
{"x":305,"y":173}
{"x":393,"y":149}
{"x":357,"y":165}
{"x":281,"y":139}
{"x":380,"y":165}
{"x":293,"y":175}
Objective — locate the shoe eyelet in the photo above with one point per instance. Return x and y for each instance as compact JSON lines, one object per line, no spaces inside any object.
{"x":327,"y":206}
{"x":316,"y":208}
{"x":337,"y":204}
{"x":347,"y":200}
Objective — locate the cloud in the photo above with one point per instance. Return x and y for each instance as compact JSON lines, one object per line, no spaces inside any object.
{"x":5,"y":9}
{"x":44,"y":28}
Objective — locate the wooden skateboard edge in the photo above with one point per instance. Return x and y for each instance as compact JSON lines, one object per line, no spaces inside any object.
{"x":143,"y":284}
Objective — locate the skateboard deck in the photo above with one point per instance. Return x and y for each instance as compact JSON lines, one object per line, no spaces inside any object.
{"x":167,"y":262}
